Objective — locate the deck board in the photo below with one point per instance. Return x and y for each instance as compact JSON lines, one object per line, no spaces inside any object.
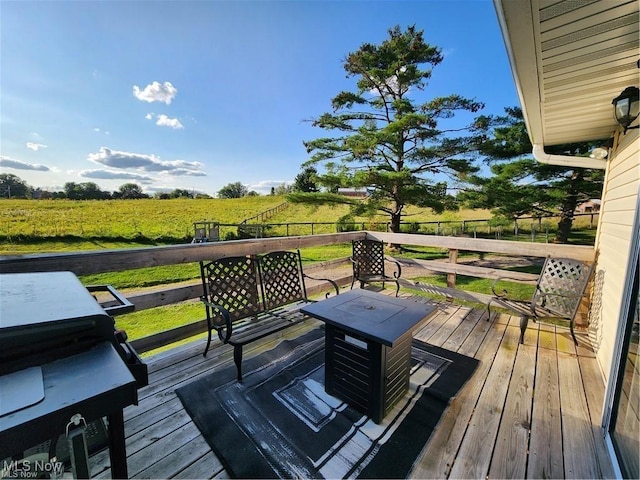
{"x":173,"y":463}
{"x":474,"y":320}
{"x":545,"y":446}
{"x":591,"y":375}
{"x":450,"y":326}
{"x":577,"y":434}
{"x":444,"y":443}
{"x":474,"y":457}
{"x":203,"y":467}
{"x":529,"y":410}
{"x":510,"y":460}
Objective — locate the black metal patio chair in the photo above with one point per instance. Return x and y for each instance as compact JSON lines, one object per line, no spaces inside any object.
{"x":368,"y":261}
{"x":559,"y":291}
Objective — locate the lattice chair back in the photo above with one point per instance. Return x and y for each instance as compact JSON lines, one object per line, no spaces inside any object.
{"x":232,"y":283}
{"x":282,"y":278}
{"x":368,"y":256}
{"x":561,"y":284}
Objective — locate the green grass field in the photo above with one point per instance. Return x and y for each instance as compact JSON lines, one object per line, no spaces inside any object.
{"x":30,"y":226}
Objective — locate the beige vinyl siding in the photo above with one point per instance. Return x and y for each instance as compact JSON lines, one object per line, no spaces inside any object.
{"x":613,"y":243}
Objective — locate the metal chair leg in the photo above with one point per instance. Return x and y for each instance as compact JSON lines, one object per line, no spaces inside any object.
{"x":573,"y":335}
{"x":237,"y":359}
{"x":208,"y":342}
{"x":524,"y":321}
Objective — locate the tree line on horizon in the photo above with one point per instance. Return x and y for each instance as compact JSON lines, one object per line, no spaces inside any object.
{"x":12,"y":186}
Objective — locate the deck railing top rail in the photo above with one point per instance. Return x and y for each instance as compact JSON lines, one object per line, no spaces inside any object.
{"x":100,"y":261}
{"x":506,"y":247}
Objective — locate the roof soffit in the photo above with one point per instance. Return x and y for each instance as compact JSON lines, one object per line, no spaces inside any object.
{"x":569,"y":59}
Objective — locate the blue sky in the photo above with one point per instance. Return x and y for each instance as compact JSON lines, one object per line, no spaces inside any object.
{"x":200,"y":94}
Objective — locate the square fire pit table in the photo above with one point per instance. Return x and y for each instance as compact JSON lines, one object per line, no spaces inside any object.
{"x":368,"y":347}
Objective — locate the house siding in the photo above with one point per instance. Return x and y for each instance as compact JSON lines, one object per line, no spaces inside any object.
{"x":613,"y":246}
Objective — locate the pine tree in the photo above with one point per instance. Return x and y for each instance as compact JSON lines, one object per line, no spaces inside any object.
{"x":387,"y":137}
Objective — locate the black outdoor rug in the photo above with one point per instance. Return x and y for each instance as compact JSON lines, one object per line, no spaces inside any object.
{"x":280,"y":423}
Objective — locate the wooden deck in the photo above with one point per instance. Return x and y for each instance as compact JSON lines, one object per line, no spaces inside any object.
{"x":529,"y":411}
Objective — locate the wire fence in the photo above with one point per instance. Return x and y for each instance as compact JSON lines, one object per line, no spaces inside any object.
{"x":535,"y":229}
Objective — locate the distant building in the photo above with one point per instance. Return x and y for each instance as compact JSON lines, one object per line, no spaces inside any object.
{"x":590,"y":206}
{"x":360,"y":192}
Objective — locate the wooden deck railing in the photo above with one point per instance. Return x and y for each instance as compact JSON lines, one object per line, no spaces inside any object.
{"x":100,"y":261}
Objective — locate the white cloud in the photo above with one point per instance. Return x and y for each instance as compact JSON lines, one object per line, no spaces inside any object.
{"x":144,"y":162}
{"x":19,"y":165}
{"x":111,"y":175}
{"x":35,"y":146}
{"x":165,"y":121}
{"x":185,"y":172}
{"x":156,"y":92}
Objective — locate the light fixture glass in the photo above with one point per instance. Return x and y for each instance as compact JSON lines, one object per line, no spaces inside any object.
{"x":626,"y":107}
{"x":599,"y":153}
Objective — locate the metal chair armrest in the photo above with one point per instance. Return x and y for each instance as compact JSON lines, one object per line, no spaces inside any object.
{"x":355,"y":264}
{"x":333,"y":284}
{"x":505,"y":294}
{"x":224,"y":331}
{"x":494,"y":284}
{"x":398,"y":273}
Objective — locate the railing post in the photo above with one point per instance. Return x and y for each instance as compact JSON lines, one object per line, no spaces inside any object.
{"x":451,"y":277}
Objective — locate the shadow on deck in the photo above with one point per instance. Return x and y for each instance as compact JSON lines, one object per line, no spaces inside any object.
{"x":529,"y":411}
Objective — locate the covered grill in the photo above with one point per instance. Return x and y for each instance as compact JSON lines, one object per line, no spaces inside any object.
{"x":62,"y":364}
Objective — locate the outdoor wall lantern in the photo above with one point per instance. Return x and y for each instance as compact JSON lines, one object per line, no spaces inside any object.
{"x":626,"y":107}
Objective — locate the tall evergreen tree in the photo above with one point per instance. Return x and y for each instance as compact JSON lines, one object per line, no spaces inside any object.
{"x":520,"y":185}
{"x":305,"y":181}
{"x":388,"y":137}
